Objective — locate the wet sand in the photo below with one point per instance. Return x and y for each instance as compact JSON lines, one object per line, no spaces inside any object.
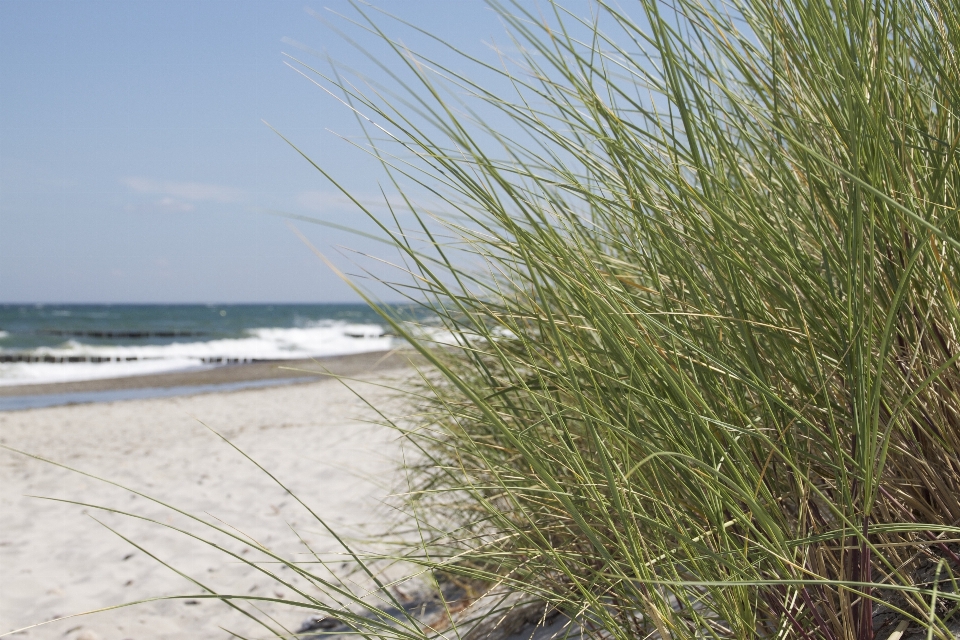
{"x":337,"y":365}
{"x":56,"y":560}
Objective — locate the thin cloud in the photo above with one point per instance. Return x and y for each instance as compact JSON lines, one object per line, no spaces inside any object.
{"x":172,"y":204}
{"x":182,"y":194}
{"x":327,"y":201}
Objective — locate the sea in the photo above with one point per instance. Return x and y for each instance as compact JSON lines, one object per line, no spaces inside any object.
{"x":42,"y":343}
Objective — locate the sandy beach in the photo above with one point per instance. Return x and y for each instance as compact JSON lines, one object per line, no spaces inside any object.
{"x":57,"y":560}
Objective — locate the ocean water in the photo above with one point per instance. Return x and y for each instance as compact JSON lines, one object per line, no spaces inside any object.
{"x":60,"y":343}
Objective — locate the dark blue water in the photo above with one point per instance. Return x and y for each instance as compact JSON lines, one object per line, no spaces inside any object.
{"x":32,"y":326}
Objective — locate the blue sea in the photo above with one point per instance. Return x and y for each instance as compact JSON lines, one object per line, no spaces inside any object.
{"x":42,"y":343}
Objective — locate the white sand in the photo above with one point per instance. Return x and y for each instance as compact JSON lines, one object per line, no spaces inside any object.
{"x":56,"y":560}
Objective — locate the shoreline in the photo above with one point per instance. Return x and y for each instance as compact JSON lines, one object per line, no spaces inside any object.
{"x":283,"y":371}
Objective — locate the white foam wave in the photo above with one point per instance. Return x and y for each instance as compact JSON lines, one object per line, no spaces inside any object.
{"x":96,"y":362}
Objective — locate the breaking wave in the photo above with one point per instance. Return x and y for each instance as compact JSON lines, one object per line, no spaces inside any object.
{"x":75,"y":360}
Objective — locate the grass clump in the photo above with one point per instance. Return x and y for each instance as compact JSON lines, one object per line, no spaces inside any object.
{"x":701,"y":273}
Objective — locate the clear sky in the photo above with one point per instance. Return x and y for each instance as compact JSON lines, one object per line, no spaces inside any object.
{"x":134,"y":166}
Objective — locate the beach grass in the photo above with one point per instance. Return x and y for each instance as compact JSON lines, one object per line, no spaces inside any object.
{"x":699,"y":271}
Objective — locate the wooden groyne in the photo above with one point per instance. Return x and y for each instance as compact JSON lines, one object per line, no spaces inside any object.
{"x":121,"y":334}
{"x":32,"y":357}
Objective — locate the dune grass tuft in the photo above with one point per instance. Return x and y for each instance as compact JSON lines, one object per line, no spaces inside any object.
{"x":700,"y":269}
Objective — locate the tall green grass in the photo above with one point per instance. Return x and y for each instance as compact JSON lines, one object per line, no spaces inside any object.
{"x":700,"y":267}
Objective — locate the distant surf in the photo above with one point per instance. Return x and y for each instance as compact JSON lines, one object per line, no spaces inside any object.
{"x":65,"y":343}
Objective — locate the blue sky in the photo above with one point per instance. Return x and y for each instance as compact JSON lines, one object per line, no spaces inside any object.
{"x":134,"y":166}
